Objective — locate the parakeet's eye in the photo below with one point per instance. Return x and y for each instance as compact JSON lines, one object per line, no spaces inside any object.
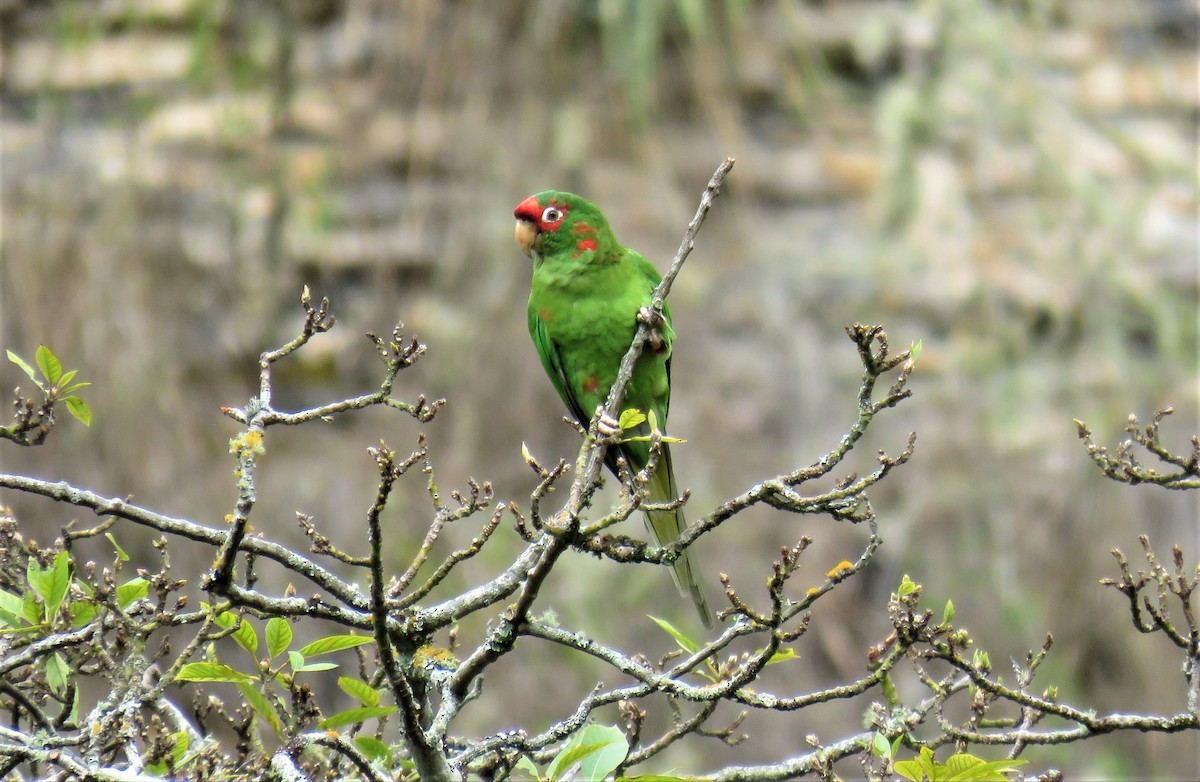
{"x":551,"y":215}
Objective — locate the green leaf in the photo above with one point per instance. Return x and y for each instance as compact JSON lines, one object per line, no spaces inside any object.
{"x":335,"y":643}
{"x":597,"y":748}
{"x":909,"y":769}
{"x":31,"y":609}
{"x":685,"y":643}
{"x":890,"y":694}
{"x":13,"y":357}
{"x":959,"y":766}
{"x":298,"y":663}
{"x":355,"y":716}
{"x":965,"y":767}
{"x":279,"y":635}
{"x":244,"y":635}
{"x":65,"y":386}
{"x":132,"y":591}
{"x":121,"y":555}
{"x":962,"y":767}
{"x":82,"y":613}
{"x":359,"y":690}
{"x":526,"y":765}
{"x":51,"y":584}
{"x":57,"y":673}
{"x":60,"y":583}
{"x":571,"y":754}
{"x":262,"y":705}
{"x":630,"y":418}
{"x":611,"y":747}
{"x":783,"y":655}
{"x":907,"y":587}
{"x":212,"y":672}
{"x":880,"y":746}
{"x":374,"y":749}
{"x":12,"y":609}
{"x":79,"y":409}
{"x":49,"y":364}
{"x":182,"y":743}
{"x":948,"y":613}
{"x":73,"y":717}
{"x":914,"y":350}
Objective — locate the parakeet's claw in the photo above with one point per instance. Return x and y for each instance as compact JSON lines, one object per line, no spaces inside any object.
{"x":608,"y":427}
{"x":655,"y":320}
{"x":651,"y":317}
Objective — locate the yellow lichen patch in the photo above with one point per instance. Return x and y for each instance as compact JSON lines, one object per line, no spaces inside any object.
{"x":430,"y":656}
{"x":839,"y":568}
{"x":247,"y":443}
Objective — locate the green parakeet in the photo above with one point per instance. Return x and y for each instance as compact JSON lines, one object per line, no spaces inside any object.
{"x":583,"y":306}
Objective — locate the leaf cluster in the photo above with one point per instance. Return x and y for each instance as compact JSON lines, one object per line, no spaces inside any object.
{"x":34,"y":418}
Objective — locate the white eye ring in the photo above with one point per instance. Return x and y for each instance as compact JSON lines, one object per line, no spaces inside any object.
{"x":551,"y":215}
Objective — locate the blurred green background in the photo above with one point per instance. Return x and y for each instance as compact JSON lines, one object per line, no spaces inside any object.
{"x":1013,"y":183}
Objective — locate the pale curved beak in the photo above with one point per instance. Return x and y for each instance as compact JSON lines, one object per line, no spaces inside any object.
{"x":526,"y":233}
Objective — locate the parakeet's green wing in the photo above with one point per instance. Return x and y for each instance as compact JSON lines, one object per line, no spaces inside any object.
{"x":552,"y":363}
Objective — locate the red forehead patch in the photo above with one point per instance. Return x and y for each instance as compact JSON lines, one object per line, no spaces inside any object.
{"x":530,"y":209}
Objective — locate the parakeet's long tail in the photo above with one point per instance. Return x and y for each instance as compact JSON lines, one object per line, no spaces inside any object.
{"x":666,"y":526}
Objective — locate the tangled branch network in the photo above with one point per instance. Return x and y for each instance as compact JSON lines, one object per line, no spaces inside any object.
{"x":171,"y":696}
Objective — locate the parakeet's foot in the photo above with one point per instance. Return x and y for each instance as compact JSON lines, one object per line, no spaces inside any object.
{"x":651,"y":317}
{"x":609,"y":427}
{"x":654,"y":319}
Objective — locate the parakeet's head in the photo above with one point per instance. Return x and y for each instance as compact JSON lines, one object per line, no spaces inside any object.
{"x":554,"y":222}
